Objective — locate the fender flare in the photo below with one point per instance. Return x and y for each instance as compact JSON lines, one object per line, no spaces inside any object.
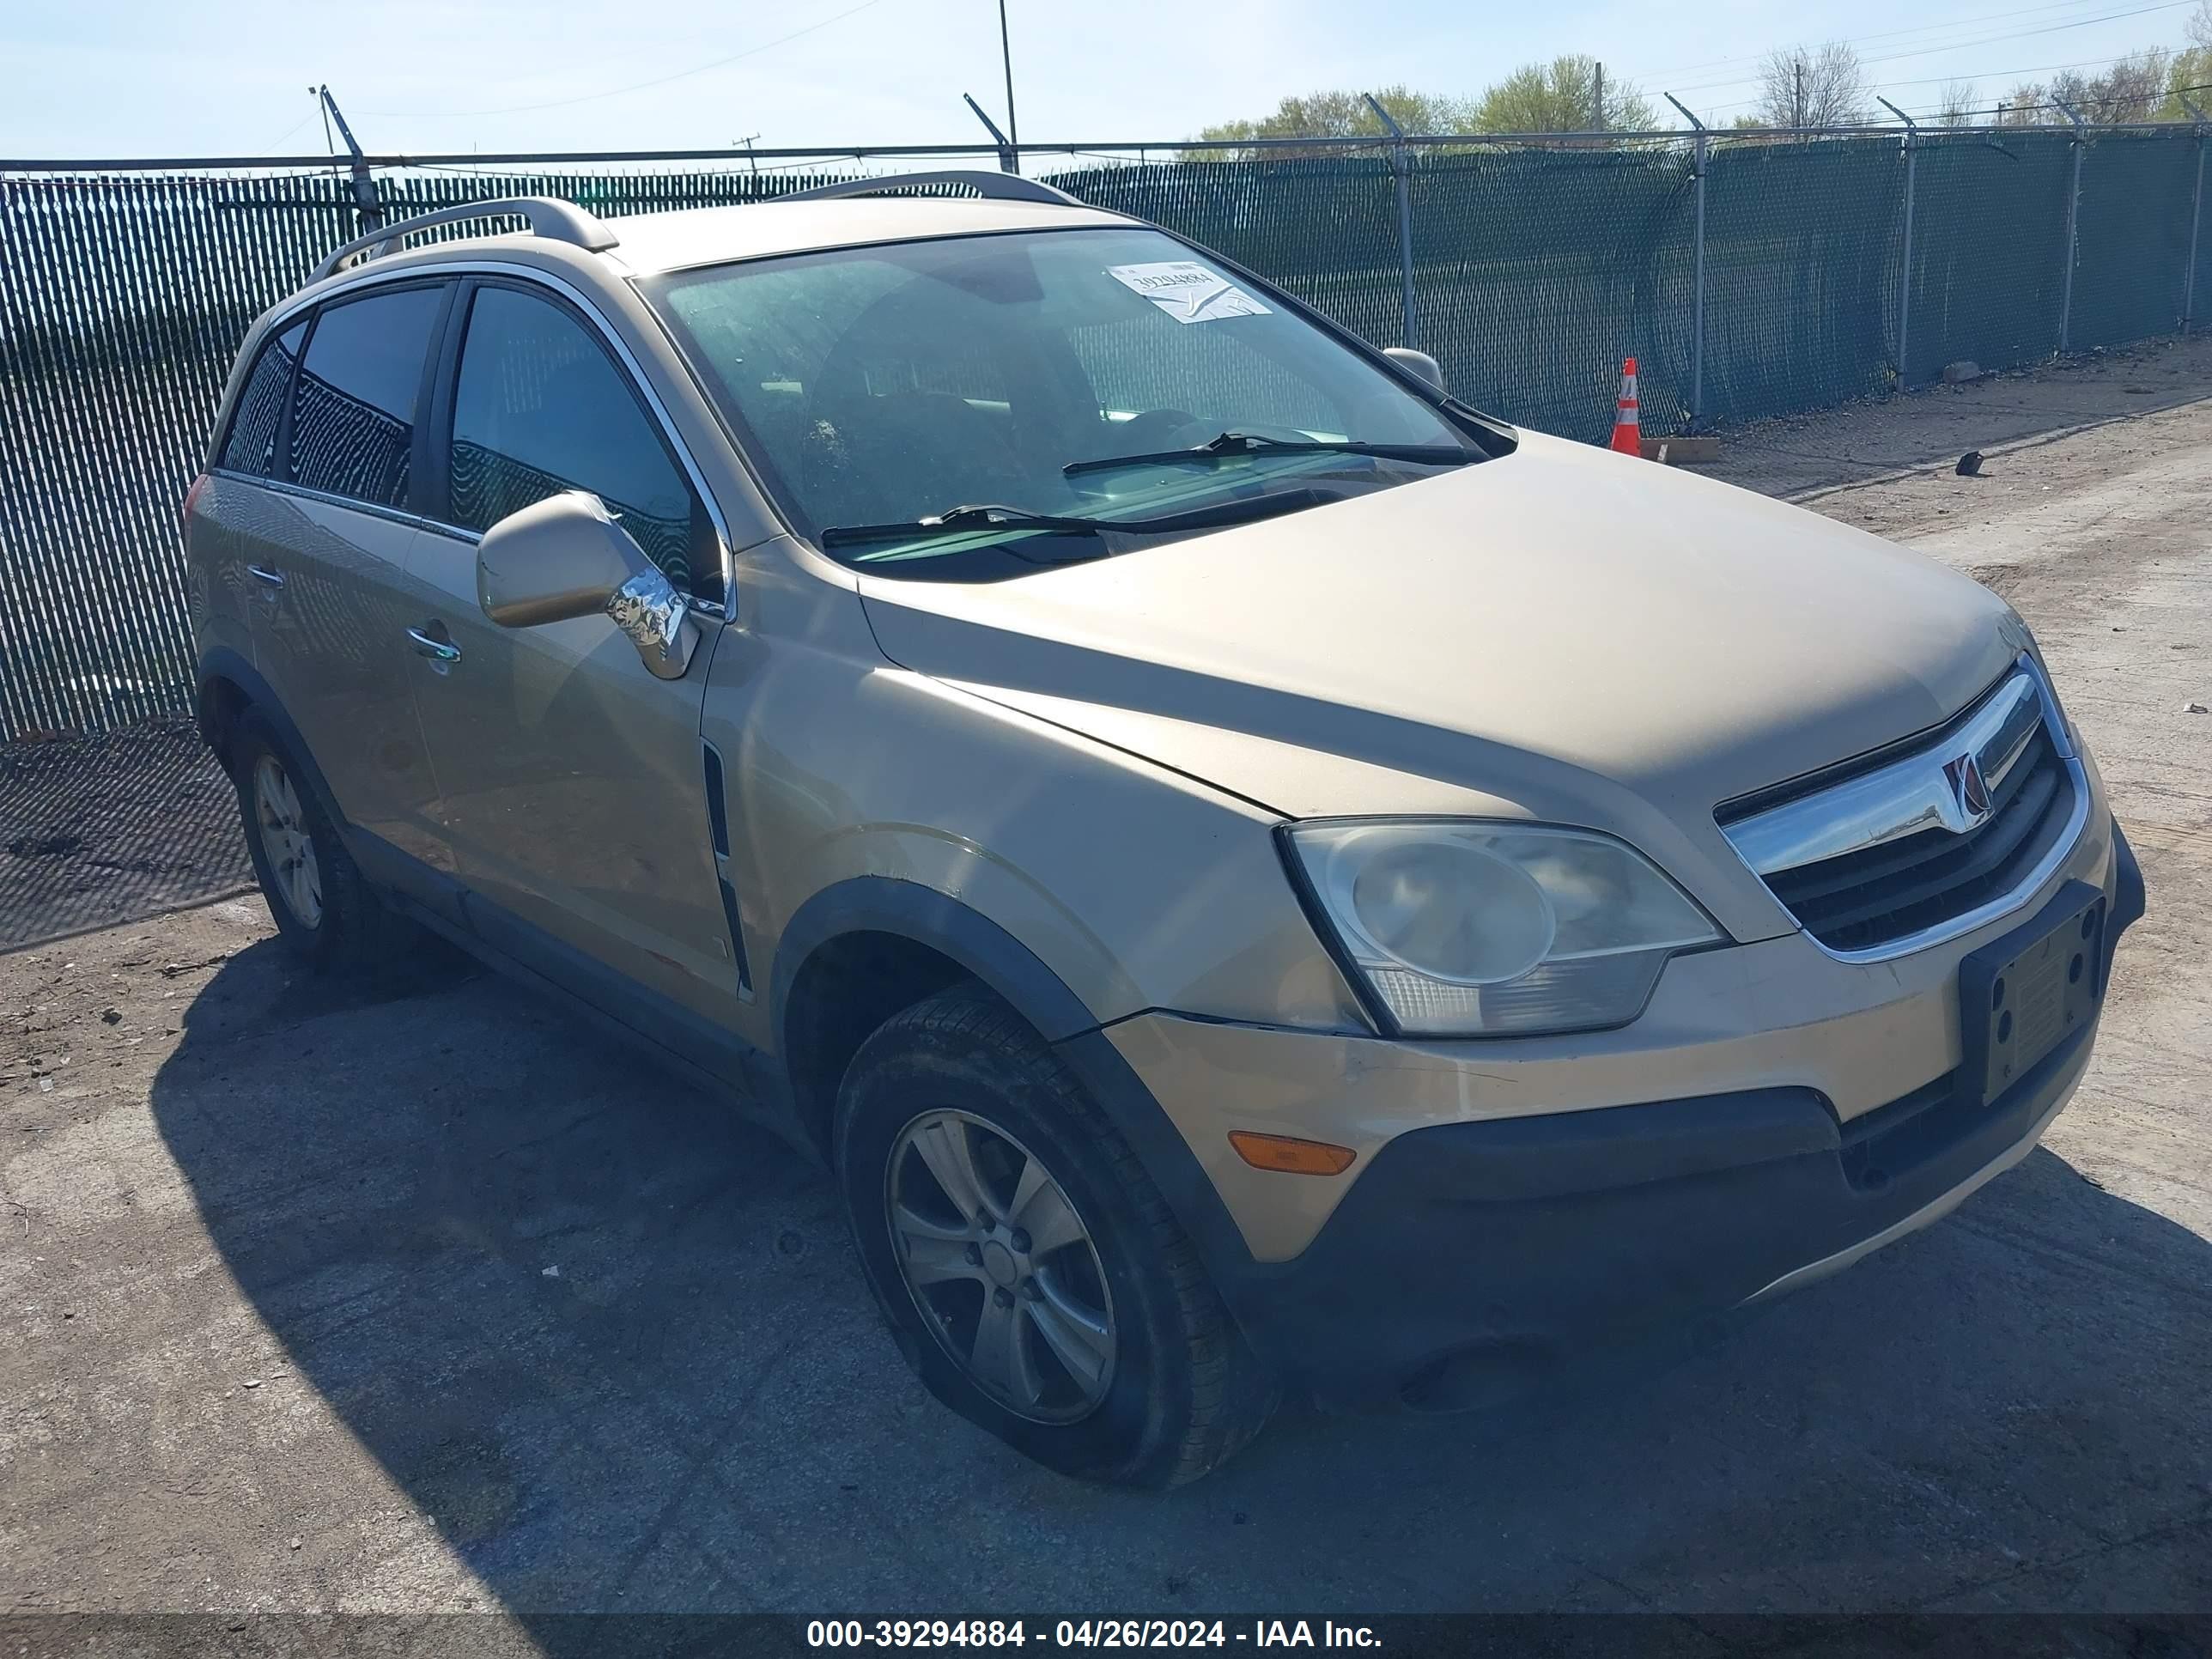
{"x":885,"y":904}
{"x":222,"y":663}
{"x":1018,"y":977}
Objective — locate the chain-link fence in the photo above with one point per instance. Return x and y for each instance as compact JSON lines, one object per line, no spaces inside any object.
{"x":1750,"y":274}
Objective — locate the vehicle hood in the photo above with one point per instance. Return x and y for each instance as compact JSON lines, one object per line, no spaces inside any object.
{"x":1567,"y":632}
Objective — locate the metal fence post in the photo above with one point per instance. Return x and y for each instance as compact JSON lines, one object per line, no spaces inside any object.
{"x":1400,"y":164}
{"x":1698,"y":288}
{"x":2073,"y":221}
{"x":2195,"y":217}
{"x":1008,"y":160}
{"x":368,"y":209}
{"x":1905,"y":255}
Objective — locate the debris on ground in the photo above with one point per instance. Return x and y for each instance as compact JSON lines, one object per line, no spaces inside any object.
{"x":1970,"y":465}
{"x":1959,"y":373}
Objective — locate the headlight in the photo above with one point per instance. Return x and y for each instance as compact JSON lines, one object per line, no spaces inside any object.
{"x":1489,"y":929}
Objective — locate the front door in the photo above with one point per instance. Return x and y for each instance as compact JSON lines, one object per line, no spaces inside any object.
{"x":571,"y":781}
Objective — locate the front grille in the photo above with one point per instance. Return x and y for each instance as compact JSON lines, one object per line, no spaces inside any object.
{"x":1871,"y":895}
{"x":1864,"y":899}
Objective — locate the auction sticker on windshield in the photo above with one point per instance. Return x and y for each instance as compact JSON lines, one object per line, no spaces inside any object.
{"x":1187,"y":290}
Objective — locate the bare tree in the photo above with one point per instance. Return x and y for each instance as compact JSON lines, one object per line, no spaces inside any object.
{"x":1822,"y":87}
{"x":2024,"y":105}
{"x":1954,"y":107}
{"x":2200,"y":25}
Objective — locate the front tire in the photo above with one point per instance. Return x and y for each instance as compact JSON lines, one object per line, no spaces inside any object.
{"x":1034,"y":1276}
{"x":326,"y":914}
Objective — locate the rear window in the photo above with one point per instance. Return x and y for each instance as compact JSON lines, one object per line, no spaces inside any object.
{"x":353,"y":415}
{"x":259,"y":416}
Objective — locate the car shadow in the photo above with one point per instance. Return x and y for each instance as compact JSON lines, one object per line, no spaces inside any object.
{"x":611,"y":1344}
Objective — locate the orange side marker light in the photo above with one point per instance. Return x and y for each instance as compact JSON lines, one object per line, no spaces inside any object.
{"x":1289,"y":1155}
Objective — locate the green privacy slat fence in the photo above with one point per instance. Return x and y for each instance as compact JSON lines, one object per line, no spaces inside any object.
{"x":1536,"y":269}
{"x":1801,"y":247}
{"x":2133,"y":242}
{"x":1988,"y":250}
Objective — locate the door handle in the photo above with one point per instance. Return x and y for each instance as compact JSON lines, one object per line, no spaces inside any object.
{"x":262,"y":573}
{"x":430,"y":645}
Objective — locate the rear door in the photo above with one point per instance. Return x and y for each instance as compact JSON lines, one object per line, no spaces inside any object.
{"x":328,"y":559}
{"x":572,"y":780}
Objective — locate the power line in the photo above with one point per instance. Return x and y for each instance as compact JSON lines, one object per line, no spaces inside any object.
{"x":1960,"y":45}
{"x":638,"y":86}
{"x":1886,"y":35}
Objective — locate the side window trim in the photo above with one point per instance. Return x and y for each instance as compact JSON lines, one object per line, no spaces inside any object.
{"x":437,"y":501}
{"x":422,"y":495}
{"x":280,"y":463}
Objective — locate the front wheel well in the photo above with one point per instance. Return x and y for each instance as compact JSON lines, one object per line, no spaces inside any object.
{"x":843,"y":992}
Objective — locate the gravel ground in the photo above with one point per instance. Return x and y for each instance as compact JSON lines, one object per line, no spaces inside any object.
{"x":410,"y":1298}
{"x":111,"y":827}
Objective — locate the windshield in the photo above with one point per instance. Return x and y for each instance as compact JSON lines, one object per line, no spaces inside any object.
{"x":879,"y":386}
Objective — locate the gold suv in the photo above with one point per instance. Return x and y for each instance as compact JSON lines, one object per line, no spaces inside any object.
{"x":1253,"y":875}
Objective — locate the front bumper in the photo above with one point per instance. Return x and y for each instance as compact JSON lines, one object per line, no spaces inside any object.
{"x":1467,"y":1249}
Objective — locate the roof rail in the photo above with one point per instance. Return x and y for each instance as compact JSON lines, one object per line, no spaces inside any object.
{"x":994,"y":186}
{"x":558,"y":220}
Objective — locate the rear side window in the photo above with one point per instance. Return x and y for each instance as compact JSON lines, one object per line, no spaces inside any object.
{"x":540,"y":408}
{"x":259,"y":416}
{"x":353,"y":415}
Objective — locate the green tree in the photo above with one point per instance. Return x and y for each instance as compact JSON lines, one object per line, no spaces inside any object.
{"x":1339,"y":115}
{"x":1563,"y":96}
{"x":2188,"y":74}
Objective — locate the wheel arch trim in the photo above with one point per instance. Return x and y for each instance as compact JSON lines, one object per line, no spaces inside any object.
{"x":1015,"y":974}
{"x":222,"y":663}
{"x":922,"y":915}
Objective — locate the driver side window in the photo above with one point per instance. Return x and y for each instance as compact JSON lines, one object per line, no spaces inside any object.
{"x":540,"y":408}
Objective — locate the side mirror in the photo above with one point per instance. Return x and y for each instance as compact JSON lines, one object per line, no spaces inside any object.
{"x":565,"y":557}
{"x":1419,"y":362}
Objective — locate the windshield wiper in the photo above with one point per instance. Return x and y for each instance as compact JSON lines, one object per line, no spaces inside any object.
{"x":1252,"y":443}
{"x":990,"y":516}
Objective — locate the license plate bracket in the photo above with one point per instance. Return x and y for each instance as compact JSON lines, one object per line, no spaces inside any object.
{"x":2022,"y":995}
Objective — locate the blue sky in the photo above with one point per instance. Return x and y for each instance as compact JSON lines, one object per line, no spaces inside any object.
{"x":123,"y":77}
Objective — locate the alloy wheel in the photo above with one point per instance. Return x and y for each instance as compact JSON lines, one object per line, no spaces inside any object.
{"x":1001,"y":1266}
{"x":284,"y":839}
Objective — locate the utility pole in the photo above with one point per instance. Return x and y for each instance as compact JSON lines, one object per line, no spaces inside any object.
{"x":1800,"y":104}
{"x":751,"y":160}
{"x":370,"y":212}
{"x":1597,"y":112}
{"x":1006,"y":56}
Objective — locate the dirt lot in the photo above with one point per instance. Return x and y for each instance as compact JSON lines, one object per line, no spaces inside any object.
{"x":409,"y":1297}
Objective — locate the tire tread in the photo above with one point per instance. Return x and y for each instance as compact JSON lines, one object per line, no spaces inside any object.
{"x":1231,"y":1397}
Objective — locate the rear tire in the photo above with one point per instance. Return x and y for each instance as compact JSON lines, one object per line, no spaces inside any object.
{"x":326,"y":914}
{"x":1159,"y":1387}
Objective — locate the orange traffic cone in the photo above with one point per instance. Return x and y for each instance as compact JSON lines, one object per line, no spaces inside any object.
{"x":1627,"y":435}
